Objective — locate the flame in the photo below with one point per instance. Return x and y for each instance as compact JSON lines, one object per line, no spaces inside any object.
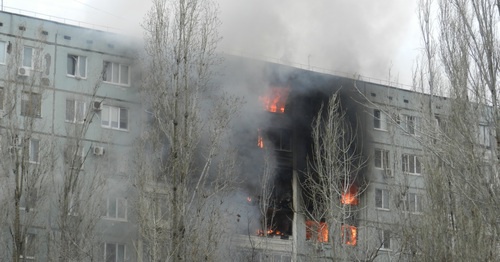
{"x":351,"y":238}
{"x":260,"y":140}
{"x":320,"y":229}
{"x":249,"y":199}
{"x":276,"y":99}
{"x":269,"y":232}
{"x":350,"y":197}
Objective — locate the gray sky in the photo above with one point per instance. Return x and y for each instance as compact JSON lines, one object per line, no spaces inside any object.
{"x":371,"y":38}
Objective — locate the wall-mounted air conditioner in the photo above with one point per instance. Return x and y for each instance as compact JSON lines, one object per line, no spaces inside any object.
{"x":23,"y":71}
{"x":98,"y":150}
{"x":97,"y":105}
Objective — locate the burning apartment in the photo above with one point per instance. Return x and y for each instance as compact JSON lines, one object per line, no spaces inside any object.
{"x":301,"y":197}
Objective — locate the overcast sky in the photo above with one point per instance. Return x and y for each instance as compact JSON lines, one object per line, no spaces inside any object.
{"x":371,"y":38}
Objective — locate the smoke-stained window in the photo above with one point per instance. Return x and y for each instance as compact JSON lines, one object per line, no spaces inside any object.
{"x":77,"y":66}
{"x":382,"y":198}
{"x":116,"y":73}
{"x":379,"y":120}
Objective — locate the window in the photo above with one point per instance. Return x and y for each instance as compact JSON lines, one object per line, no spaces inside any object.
{"x":411,"y":164}
{"x":413,"y":203}
{"x":385,"y":238}
{"x":74,"y":157}
{"x":114,"y":117}
{"x":381,"y":158}
{"x":349,"y":234}
{"x":28,"y":200}
{"x":29,"y":247}
{"x":77,"y":66}
{"x":379,"y":120}
{"x":34,"y":151}
{"x":75,"y":111}
{"x":2,"y":96}
{"x":28,"y":56}
{"x":280,"y":139}
{"x":382,"y":198}
{"x":116,"y":208}
{"x":116,"y":73}
{"x":410,"y":124}
{"x":31,"y":104}
{"x":484,"y":136}
{"x":114,"y":252}
{"x":3,"y":52}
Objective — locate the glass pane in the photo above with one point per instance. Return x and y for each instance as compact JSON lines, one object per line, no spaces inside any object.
{"x":121,"y":253}
{"x":376,"y":119}
{"x":110,"y":252}
{"x":378,"y":158}
{"x":28,"y":57}
{"x":123,"y":118}
{"x":417,"y":163}
{"x":2,"y":52}
{"x":114,"y":116}
{"x":378,"y":198}
{"x":112,"y":207}
{"x":386,"y":159}
{"x":80,"y":111}
{"x":34,"y":150}
{"x":124,"y":74}
{"x":70,"y":110}
{"x":385,"y":200}
{"x":105,"y":116}
{"x":107,"y":74}
{"x":82,"y":66}
{"x":122,"y":208}
{"x":115,"y":73}
{"x":412,"y":164}
{"x":71,"y":65}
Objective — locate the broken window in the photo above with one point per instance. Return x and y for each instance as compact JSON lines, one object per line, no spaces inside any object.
{"x":316,"y":230}
{"x":349,"y":235}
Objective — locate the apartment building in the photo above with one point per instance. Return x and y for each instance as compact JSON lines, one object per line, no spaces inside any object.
{"x":70,"y":97}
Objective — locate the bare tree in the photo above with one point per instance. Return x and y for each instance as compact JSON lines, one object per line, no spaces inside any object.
{"x":27,"y":152}
{"x":461,"y":164}
{"x":188,"y":128}
{"x":332,"y":185}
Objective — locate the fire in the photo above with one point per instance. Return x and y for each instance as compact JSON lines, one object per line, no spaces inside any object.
{"x":269,"y":232}
{"x":352,"y":234}
{"x":320,"y":229}
{"x":276,"y":99}
{"x":350,"y":197}
{"x":249,"y":199}
{"x":260,"y":140}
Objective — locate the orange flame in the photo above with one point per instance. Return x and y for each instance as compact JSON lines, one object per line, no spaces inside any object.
{"x":351,"y":238}
{"x":276,"y":99}
{"x":350,"y":197}
{"x":249,"y":199}
{"x":314,"y":228}
{"x":269,"y":232}
{"x":260,"y":140}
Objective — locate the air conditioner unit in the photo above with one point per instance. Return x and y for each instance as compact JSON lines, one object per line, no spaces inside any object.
{"x":97,"y":105}
{"x":98,"y":150}
{"x":23,"y":71}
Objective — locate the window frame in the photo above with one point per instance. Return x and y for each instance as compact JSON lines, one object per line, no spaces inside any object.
{"x":77,"y":66}
{"x":411,"y":124}
{"x":29,"y":245}
{"x":406,"y":167}
{"x":384,"y":162}
{"x":32,"y":61}
{"x":386,"y":239}
{"x":31,"y":156}
{"x":116,"y":248}
{"x":31,"y":101}
{"x":379,"y":120}
{"x":2,"y":98}
{"x":119,"y":119}
{"x":416,"y":207}
{"x":117,"y":205}
{"x":483,"y":135}
{"x":384,"y":195}
{"x":114,"y":74}
{"x":6,"y":44}
{"x":76,"y":104}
